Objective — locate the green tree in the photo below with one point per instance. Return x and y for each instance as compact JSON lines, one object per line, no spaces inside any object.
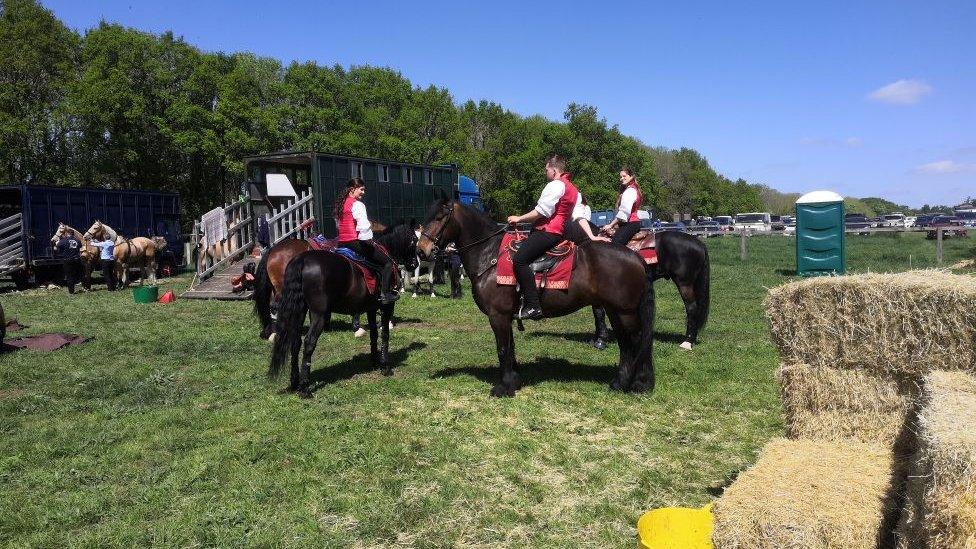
{"x":39,"y":61}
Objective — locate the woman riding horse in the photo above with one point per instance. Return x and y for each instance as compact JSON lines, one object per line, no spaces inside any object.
{"x":610,"y":276}
{"x":320,"y":282}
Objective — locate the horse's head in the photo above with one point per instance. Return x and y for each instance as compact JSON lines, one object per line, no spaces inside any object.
{"x":441,"y":227}
{"x":95,"y":231}
{"x":62,"y":230}
{"x":159,"y":243}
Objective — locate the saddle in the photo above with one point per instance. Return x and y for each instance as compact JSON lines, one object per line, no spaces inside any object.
{"x":550,"y":259}
{"x":644,"y":244}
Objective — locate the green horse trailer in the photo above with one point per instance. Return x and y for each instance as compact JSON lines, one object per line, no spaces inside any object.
{"x":395,"y":191}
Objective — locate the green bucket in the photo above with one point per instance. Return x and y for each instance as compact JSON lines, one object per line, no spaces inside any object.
{"x":145,"y":294}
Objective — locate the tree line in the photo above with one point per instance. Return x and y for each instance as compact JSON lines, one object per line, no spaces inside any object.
{"x":121,"y":108}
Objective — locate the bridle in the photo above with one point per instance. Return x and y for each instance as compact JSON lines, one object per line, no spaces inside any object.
{"x":450,"y":216}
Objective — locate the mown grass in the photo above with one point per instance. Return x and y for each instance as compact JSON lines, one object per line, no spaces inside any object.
{"x":164,"y":431}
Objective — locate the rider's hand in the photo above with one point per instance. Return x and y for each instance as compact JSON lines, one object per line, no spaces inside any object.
{"x":513,"y":219}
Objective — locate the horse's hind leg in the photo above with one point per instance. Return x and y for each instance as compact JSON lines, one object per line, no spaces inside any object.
{"x":687,"y":292}
{"x":627,"y":328}
{"x":315,"y":328}
{"x":373,"y":338}
{"x":385,"y":322}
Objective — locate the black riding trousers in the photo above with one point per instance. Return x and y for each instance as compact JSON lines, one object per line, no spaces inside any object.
{"x":531,"y":249}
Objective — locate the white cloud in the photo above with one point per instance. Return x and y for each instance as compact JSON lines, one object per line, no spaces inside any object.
{"x":945,"y":166}
{"x":854,"y":142}
{"x":902,"y":92}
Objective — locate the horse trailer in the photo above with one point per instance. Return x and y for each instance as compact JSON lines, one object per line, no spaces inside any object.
{"x":395,"y":191}
{"x":29,"y":217}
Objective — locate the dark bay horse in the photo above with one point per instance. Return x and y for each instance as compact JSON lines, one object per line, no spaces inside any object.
{"x":612,"y":277}
{"x":320,"y":282}
{"x":683,"y":259}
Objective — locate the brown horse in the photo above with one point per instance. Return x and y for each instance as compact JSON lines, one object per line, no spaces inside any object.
{"x":612,"y":277}
{"x":138,"y":252}
{"x":88,"y":254}
{"x":269,"y":276}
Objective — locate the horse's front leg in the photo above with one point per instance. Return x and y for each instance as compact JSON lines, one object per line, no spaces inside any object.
{"x":501,"y":325}
{"x":387,"y":316}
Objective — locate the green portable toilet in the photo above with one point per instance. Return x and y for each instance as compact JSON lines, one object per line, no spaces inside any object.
{"x":820,"y":234}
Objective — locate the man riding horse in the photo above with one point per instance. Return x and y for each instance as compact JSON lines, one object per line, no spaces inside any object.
{"x":559,"y":205}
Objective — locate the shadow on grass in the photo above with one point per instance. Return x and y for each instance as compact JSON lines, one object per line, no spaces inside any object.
{"x":586,"y":337}
{"x":359,"y":364}
{"x":786,"y":272}
{"x":542,"y":370}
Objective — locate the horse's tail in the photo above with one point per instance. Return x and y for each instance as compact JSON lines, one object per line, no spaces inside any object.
{"x":291,"y":315}
{"x":262,"y":295}
{"x":702,"y":288}
{"x":645,"y":349}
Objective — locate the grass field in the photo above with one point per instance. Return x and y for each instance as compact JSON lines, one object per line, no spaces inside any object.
{"x":164,"y":431}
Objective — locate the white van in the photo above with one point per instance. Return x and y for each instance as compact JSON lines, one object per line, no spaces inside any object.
{"x":893,"y":220}
{"x":755,"y":222}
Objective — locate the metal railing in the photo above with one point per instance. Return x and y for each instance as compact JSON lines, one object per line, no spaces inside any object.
{"x":11,"y":244}
{"x":291,"y":219}
{"x":240,"y":240}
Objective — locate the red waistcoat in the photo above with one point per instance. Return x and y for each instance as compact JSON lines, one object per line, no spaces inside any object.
{"x":347,"y":224}
{"x":563,"y":212}
{"x":637,"y":203}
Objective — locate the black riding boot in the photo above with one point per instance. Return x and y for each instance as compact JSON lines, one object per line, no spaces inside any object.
{"x":387,"y":295}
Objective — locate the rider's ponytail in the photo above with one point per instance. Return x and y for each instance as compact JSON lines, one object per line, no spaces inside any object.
{"x":340,"y":199}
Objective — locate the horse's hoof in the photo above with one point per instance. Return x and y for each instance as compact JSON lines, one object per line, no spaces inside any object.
{"x":502,"y":391}
{"x":360,"y":332}
{"x":433,"y":294}
{"x":642,"y":387}
{"x":616,"y":385}
{"x":686,"y":345}
{"x":599,"y":344}
{"x":272,"y":337}
{"x":414,"y":295}
{"x":387,"y":372}
{"x":305,"y":394}
{"x":390,"y":326}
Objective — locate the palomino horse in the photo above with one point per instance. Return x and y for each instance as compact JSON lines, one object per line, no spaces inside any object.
{"x":138,"y":252}
{"x":89,"y":254}
{"x":269,"y":276}
{"x":609,"y":276}
{"x":683,"y":259}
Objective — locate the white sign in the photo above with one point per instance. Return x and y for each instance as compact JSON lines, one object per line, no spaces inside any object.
{"x":278,"y":185}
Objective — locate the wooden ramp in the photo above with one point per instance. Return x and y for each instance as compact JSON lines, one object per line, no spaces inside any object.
{"x":219,"y":286}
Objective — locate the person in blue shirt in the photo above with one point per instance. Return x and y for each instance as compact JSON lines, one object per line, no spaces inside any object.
{"x":106,"y":250}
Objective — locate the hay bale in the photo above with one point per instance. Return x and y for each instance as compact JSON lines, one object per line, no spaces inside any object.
{"x":904,"y":324}
{"x":834,"y":404}
{"x":811,"y":494}
{"x":941,"y":504}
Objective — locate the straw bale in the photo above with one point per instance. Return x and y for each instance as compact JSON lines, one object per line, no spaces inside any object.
{"x":811,"y":494}
{"x":940,"y":509}
{"x":905,"y":323}
{"x":834,"y":404}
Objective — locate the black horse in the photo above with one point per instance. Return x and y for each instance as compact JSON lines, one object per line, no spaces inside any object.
{"x":683,"y":259}
{"x":321,"y":282}
{"x":612,"y":277}
{"x":269,"y":276}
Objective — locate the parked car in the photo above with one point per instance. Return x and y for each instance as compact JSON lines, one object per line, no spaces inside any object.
{"x":857,"y":222}
{"x":756,"y":222}
{"x":725,"y":221}
{"x":893,"y":220}
{"x":676,"y":226}
{"x":949,"y":224}
{"x":910,"y":220}
{"x":967,"y":218}
{"x":776,"y":223}
{"x":708,"y":228}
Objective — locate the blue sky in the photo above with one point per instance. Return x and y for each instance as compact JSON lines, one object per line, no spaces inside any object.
{"x":864,"y":98}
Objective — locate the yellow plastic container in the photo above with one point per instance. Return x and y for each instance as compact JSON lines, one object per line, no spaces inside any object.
{"x":676,"y":528}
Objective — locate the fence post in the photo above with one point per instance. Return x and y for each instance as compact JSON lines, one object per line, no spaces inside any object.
{"x":938,"y":245}
{"x":742,"y":244}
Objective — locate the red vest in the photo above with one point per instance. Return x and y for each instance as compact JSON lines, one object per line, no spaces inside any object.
{"x":563,"y":212}
{"x":637,"y":203}
{"x":347,"y":224}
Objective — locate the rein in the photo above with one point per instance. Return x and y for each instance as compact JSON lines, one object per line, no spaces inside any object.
{"x":460,"y":249}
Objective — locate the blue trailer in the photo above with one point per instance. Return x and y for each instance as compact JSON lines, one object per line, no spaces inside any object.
{"x":29,"y":216}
